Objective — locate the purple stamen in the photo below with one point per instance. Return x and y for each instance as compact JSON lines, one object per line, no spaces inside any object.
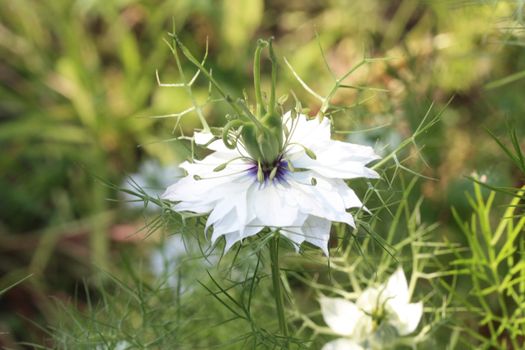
{"x":280,"y":173}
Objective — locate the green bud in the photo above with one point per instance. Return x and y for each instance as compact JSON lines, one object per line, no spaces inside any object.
{"x":313,"y":181}
{"x":262,"y":127}
{"x":249,"y":138}
{"x":197,"y":177}
{"x":273,"y":121}
{"x":260,"y":138}
{"x":310,"y":153}
{"x":269,"y":145}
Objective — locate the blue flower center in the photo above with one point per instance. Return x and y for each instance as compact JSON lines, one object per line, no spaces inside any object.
{"x":279,"y":174}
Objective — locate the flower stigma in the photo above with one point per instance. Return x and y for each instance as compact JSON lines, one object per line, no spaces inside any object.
{"x":265,"y":173}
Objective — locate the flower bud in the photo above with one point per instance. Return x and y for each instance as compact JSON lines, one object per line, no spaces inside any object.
{"x":249,"y":138}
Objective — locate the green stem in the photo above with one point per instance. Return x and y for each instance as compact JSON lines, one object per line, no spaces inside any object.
{"x":271,"y":107}
{"x":277,"y":290}
{"x":198,"y":110}
{"x":207,"y":73}
{"x":257,"y":76}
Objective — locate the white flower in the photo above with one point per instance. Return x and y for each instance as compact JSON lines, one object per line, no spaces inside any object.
{"x":153,"y":178}
{"x":300,"y":194}
{"x":387,"y":305}
{"x":164,"y":259}
{"x":170,"y":256}
{"x":121,"y":345}
{"x":343,"y":344}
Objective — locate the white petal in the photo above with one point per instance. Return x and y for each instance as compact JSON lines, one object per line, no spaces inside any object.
{"x":202,"y":138}
{"x":396,"y":289}
{"x":232,"y":202}
{"x":231,"y":239}
{"x":337,"y":159}
{"x":317,"y":231}
{"x":234,"y":237}
{"x":334,"y":168}
{"x":342,"y":344}
{"x":270,"y":206}
{"x":219,"y":212}
{"x":315,"y":135}
{"x":190,"y":189}
{"x":294,"y":232}
{"x":364,"y":328}
{"x":227,"y":224}
{"x":352,"y":152}
{"x":408,"y":318}
{"x":201,"y":196}
{"x":332,"y":151}
{"x":307,"y":132}
{"x":321,"y":200}
{"x":340,"y":315}
{"x":207,"y":167}
{"x":369,"y":299}
{"x":350,"y":199}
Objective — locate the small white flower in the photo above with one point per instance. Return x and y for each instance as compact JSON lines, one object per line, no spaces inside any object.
{"x":386,"y":305}
{"x":343,"y":344}
{"x":300,"y":194}
{"x":153,"y":178}
{"x":121,"y":345}
{"x":166,"y":259}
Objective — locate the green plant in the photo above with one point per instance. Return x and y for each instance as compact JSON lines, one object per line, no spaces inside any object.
{"x":493,"y":269}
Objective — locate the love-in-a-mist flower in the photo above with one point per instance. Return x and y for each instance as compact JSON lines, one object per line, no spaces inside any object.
{"x":363,"y":323}
{"x":273,"y":170}
{"x":301,"y":191}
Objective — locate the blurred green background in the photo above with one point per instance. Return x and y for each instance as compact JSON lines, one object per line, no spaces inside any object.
{"x":78,"y":90}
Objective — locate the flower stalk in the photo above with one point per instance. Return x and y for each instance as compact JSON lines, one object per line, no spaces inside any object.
{"x":277,"y":288}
